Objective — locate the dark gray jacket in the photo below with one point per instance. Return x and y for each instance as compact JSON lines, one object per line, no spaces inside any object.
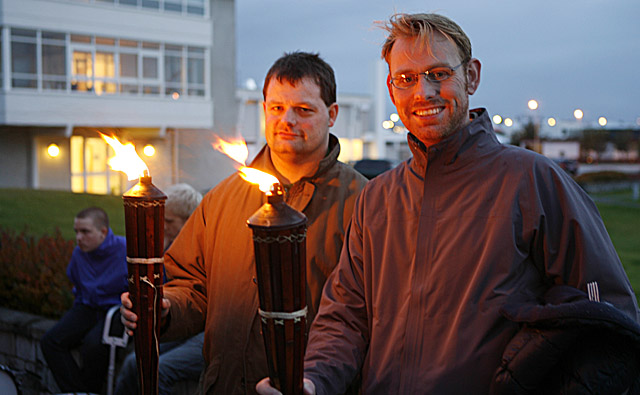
{"x":568,"y":344}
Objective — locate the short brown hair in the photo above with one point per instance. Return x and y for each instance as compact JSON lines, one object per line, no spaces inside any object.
{"x":423,"y":26}
{"x":98,"y":216}
{"x":295,"y":66}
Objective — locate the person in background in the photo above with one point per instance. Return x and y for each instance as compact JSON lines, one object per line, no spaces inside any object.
{"x":212,"y":261}
{"x":182,"y":199}
{"x":462,"y":247}
{"x":179,"y":360}
{"x":98,"y":271}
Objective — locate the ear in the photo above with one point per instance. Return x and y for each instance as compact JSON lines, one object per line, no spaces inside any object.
{"x":333,"y":114}
{"x":473,"y":75}
{"x":104,"y":231}
{"x":390,"y":88}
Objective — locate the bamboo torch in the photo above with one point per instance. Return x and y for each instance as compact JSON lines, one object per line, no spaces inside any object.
{"x":144,"y":227}
{"x":279,"y":240}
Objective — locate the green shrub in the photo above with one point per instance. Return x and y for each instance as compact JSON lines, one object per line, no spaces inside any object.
{"x":602,"y":176}
{"x":33,"y":273}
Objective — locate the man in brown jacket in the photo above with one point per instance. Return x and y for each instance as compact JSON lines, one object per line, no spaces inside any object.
{"x":211,"y":261}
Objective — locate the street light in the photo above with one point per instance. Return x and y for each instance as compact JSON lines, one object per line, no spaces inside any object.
{"x":533,"y":105}
{"x":602,"y":121}
{"x":578,"y":114}
{"x":551,"y":122}
{"x":497,"y":119}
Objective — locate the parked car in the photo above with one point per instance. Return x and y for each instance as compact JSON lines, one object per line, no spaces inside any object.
{"x":568,"y":165}
{"x":373,"y":167}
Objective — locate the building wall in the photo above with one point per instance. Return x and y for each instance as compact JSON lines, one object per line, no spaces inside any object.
{"x":179,"y":126}
{"x":53,"y":172}
{"x":561,"y":149}
{"x":15,"y":158}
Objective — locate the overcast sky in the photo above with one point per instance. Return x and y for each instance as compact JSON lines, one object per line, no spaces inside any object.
{"x":567,"y":54}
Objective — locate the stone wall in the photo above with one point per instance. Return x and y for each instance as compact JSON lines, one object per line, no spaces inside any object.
{"x":20,"y":335}
{"x":20,"y":354}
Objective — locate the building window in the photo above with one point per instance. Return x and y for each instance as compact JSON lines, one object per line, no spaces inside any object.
{"x":129,"y":64}
{"x":150,"y":68}
{"x":1,"y":63}
{"x":54,"y":63}
{"x":82,"y":71}
{"x":195,"y":71}
{"x":173,"y":70}
{"x":24,"y":72}
{"x":89,"y":170}
{"x":105,"y":65}
{"x":195,"y":7}
{"x":105,"y":73}
{"x":154,"y":4}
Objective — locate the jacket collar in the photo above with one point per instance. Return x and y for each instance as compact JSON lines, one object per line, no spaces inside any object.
{"x":263,"y":161}
{"x":449,"y":149}
{"x":105,"y":248}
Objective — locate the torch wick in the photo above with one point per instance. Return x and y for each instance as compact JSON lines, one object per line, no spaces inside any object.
{"x":275,"y":194}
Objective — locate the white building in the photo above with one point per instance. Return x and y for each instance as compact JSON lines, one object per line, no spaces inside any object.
{"x":156,"y":72}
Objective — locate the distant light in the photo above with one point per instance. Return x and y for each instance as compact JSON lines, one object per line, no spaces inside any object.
{"x":602,"y":121}
{"x":497,"y":119}
{"x":394,"y":117}
{"x":251,"y":84}
{"x":508,"y":122}
{"x":53,"y":150}
{"x":551,"y":122}
{"x":532,"y":104}
{"x":175,"y":95}
{"x":578,"y":114}
{"x":149,"y":150}
{"x":387,"y":124}
{"x":398,"y":129}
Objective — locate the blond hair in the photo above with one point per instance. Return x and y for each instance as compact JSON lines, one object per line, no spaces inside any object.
{"x":423,"y":26}
{"x":182,"y":199}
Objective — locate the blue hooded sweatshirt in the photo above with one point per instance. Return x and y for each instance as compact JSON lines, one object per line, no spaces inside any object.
{"x":100,"y":276}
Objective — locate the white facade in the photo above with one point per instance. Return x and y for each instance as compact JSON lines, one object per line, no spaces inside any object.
{"x":143,"y":70}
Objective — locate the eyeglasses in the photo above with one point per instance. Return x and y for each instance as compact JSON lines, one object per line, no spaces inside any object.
{"x":436,"y":74}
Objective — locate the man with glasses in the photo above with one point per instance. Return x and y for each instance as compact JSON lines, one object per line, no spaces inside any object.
{"x":440,"y":244}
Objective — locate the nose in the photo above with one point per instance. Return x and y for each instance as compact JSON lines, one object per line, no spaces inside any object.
{"x":425,"y":88}
{"x":290,"y":117}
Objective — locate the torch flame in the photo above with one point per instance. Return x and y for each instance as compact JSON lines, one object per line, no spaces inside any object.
{"x":238,"y":151}
{"x":126,"y":159}
{"x":255,"y":176}
{"x":235,"y":149}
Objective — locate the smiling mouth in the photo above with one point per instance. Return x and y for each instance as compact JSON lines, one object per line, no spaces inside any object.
{"x":428,"y":112}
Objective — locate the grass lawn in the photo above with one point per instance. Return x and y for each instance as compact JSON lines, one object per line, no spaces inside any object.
{"x":621,"y":215}
{"x":40,"y":212}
